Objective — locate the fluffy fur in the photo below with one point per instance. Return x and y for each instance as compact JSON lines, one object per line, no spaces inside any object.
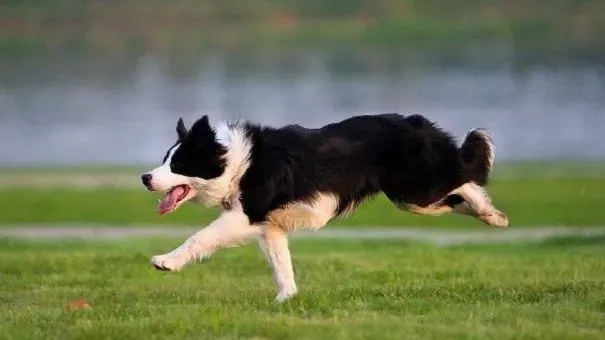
{"x":271,"y":181}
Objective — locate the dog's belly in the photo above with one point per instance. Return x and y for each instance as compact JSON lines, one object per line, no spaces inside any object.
{"x":309,"y":214}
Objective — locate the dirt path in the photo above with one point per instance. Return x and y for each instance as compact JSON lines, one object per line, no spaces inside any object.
{"x":434,"y":236}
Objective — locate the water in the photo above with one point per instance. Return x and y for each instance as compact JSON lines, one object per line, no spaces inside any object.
{"x":66,"y":110}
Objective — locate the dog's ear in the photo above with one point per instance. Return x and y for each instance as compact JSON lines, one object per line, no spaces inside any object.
{"x":201,"y":124}
{"x":204,"y":121}
{"x":201,"y":131}
{"x":181,"y":130}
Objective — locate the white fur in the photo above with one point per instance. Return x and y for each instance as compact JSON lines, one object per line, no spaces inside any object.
{"x":476,"y":203}
{"x":480,"y":205}
{"x":229,"y":229}
{"x":274,"y":243}
{"x":226,"y":187}
{"x":232,"y":228}
{"x":223,"y":133}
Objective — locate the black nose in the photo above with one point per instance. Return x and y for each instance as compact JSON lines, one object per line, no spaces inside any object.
{"x":146,"y":179}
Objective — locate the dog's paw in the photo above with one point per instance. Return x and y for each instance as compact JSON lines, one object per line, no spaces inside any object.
{"x":496,"y":219}
{"x":286,"y":294}
{"x":167,"y":262}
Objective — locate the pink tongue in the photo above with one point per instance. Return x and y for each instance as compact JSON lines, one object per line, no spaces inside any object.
{"x":169,"y":201}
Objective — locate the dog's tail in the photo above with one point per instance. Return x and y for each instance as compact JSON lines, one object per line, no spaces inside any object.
{"x":477,"y":153}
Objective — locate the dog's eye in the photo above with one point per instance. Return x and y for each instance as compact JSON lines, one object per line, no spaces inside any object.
{"x":175,"y":165}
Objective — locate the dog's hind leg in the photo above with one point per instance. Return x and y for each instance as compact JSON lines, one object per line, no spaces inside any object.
{"x":468,"y":199}
{"x":437,"y":209}
{"x":478,"y":204}
{"x":274,"y":243}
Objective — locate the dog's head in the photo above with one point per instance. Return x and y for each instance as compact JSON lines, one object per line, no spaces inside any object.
{"x":188,"y":166}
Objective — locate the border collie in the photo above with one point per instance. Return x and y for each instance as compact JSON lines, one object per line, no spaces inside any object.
{"x":272,"y":181}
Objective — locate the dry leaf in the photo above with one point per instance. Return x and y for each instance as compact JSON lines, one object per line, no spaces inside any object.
{"x":78,"y":304}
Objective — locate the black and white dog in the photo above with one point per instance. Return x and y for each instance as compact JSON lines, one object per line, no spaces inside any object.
{"x":272,"y":181}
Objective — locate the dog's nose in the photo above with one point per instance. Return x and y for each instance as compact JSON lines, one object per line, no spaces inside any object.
{"x":146,"y":179}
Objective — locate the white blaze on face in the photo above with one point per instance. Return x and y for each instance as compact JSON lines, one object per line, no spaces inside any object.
{"x":162,"y":177}
{"x":177,"y":187}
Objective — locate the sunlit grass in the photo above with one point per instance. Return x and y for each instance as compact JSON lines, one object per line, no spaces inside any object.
{"x":348,"y":290}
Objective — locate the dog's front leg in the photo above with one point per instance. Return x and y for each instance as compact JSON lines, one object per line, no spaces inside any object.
{"x":229,"y":229}
{"x":274,"y":243}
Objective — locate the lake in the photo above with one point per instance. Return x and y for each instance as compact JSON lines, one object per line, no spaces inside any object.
{"x":121,"y":110}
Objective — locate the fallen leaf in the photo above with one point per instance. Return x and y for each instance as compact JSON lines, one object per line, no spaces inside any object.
{"x":78,"y":304}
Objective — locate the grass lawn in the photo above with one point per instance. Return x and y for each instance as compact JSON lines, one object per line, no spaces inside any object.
{"x":349,"y":290}
{"x":528,"y":201}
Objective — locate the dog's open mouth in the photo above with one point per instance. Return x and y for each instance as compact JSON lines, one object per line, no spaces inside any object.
{"x":173,"y":198}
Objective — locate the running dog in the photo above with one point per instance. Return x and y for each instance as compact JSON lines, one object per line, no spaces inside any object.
{"x":273,"y":181}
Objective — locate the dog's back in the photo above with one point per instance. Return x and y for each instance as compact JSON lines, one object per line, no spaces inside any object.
{"x":409,"y":158}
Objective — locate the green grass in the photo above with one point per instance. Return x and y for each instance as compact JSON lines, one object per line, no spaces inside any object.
{"x":110,"y":27}
{"x":528,"y":201}
{"x":349,"y":290}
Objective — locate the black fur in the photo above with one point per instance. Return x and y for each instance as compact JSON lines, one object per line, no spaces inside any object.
{"x":199,"y":154}
{"x":181,"y":130}
{"x":475,"y":156}
{"x":410,"y":159}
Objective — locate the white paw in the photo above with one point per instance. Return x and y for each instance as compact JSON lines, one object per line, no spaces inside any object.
{"x":167,"y":262}
{"x":496,"y":219}
{"x":286,"y":294}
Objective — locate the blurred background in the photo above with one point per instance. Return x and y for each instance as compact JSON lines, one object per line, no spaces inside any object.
{"x":90,"y":90}
{"x":90,"y":93}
